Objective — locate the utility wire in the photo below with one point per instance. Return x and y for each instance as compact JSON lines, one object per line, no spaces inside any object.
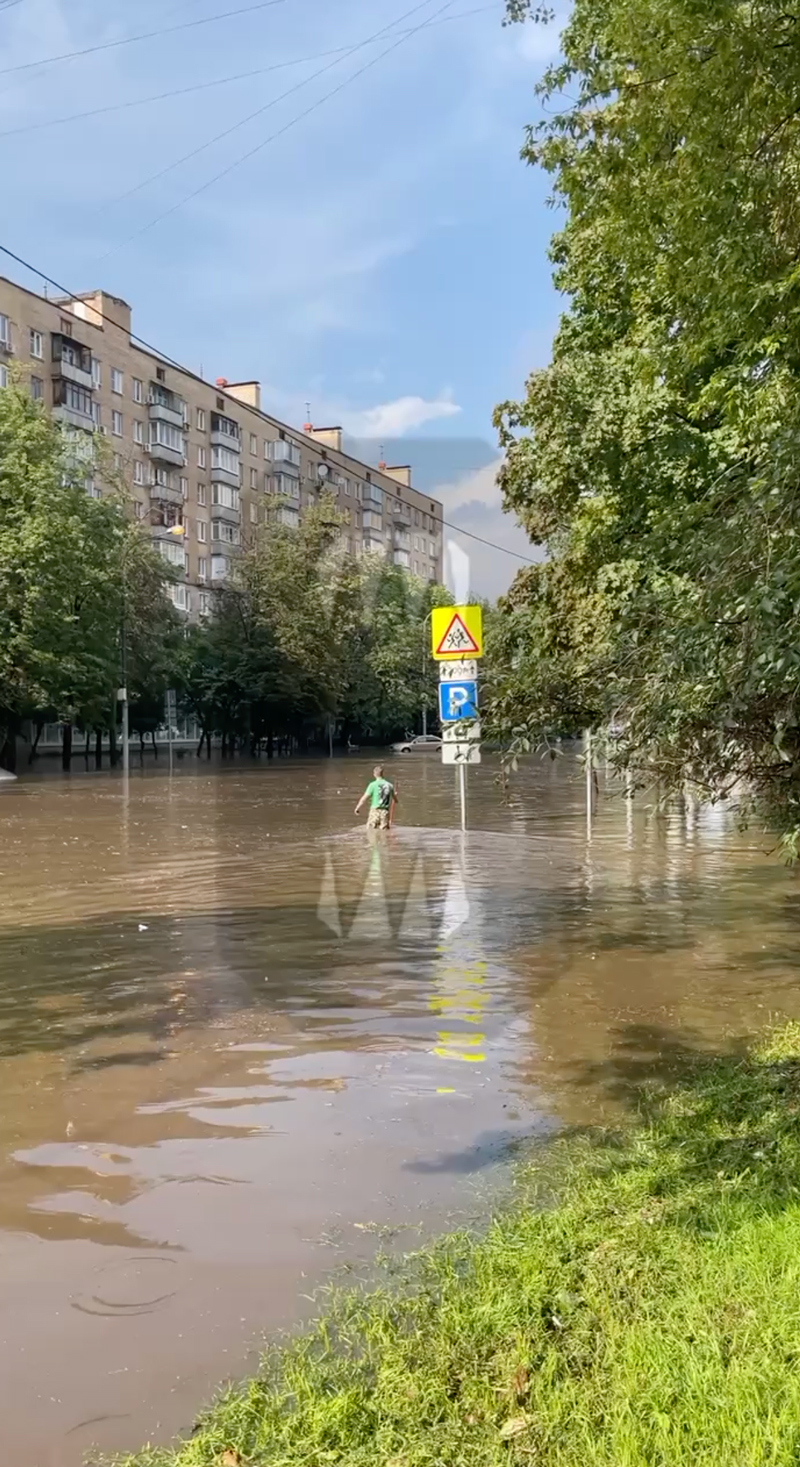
{"x":169,"y":30}
{"x":171,"y":361}
{"x":209,"y":85}
{"x":235,"y":126}
{"x":293,"y":121}
{"x":461,"y":531}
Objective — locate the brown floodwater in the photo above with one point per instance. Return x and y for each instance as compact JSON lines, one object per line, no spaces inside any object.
{"x":240,"y":1040}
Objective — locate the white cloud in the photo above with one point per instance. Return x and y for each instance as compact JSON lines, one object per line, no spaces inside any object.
{"x":394,"y":419}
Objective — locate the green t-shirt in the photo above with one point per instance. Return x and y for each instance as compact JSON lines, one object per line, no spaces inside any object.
{"x":380,"y":793}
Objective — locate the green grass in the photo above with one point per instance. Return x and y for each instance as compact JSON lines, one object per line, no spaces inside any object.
{"x":650,"y":1316}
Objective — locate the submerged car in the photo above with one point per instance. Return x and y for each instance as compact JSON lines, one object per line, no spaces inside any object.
{"x":422,"y":744}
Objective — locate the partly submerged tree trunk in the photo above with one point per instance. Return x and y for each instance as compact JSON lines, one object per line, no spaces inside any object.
{"x":35,"y":745}
{"x":66,"y":747}
{"x":98,"y":748}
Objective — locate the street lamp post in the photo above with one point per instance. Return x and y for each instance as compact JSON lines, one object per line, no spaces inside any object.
{"x":425,"y":672}
{"x":123,"y":692}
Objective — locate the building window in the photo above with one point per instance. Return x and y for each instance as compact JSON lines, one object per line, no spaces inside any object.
{"x":254,"y":514}
{"x":138,"y":471}
{"x":118,"y":462}
{"x":282,"y":452}
{"x":138,"y":390}
{"x":97,"y":373}
{"x":225,"y":459}
{"x":117,"y":382}
{"x":37,"y":345}
{"x":202,"y":569}
{"x":3,"y":376}
{"x":171,"y":551}
{"x":201,"y":494}
{"x":202,"y":531}
{"x":116,"y":424}
{"x":204,"y":603}
{"x":37,"y":389}
{"x":201,"y":420}
{"x":254,"y":478}
{"x":138,"y":432}
{"x":96,"y":413}
{"x":179,"y":596}
{"x":228,"y":534}
{"x":284,"y":484}
{"x":138,"y":509}
{"x":65,"y":327}
{"x":161,"y":375}
{"x":5,"y":331}
{"x":253,"y":443}
{"x":226,"y":496}
{"x":201,"y":457}
{"x":347,"y":488}
{"x":166,"y":435}
{"x":184,"y":488}
{"x":267,"y":448}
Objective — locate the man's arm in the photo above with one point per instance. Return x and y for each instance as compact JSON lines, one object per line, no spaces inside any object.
{"x":364,"y":797}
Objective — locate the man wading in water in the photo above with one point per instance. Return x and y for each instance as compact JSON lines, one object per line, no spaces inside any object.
{"x":382,"y":797}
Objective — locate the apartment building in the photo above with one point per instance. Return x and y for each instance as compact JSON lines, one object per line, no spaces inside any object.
{"x":197,"y":454}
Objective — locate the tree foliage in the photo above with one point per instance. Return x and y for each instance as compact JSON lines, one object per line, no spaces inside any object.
{"x":656,"y":457}
{"x":71,"y":566}
{"x":305,"y":638}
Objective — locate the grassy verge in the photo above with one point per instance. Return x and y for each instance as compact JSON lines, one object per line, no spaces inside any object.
{"x":652,"y":1316}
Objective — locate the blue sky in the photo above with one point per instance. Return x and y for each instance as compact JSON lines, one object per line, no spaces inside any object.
{"x":384,"y":257}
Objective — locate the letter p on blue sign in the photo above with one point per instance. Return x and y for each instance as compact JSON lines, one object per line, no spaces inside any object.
{"x":457,"y":701}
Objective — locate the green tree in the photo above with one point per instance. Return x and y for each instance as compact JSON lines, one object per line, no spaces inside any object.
{"x":655,"y":458}
{"x":62,"y":554}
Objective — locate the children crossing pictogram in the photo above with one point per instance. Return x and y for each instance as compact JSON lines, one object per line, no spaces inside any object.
{"x":456,"y":632}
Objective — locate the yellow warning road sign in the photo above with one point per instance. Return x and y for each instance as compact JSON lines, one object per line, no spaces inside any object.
{"x":456,"y":631}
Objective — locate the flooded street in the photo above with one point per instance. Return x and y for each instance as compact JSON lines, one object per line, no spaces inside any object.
{"x":239,"y":1039}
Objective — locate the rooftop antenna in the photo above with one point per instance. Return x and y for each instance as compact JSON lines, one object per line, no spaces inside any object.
{"x":307,"y":424}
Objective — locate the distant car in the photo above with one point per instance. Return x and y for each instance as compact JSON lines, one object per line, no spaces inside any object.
{"x":422,"y":744}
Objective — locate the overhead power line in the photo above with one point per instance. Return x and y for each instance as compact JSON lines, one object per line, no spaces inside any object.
{"x":251,"y":116}
{"x":220,"y":81}
{"x":169,"y":30}
{"x":293,"y":121}
{"x":171,"y":361}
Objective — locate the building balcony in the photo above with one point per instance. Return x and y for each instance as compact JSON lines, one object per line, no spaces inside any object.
{"x":73,"y":418}
{"x":73,"y":405}
{"x":225,"y":433}
{"x":402,"y":517}
{"x":161,"y":453}
{"x":159,"y":412}
{"x":402,"y":541}
{"x":71,"y":361}
{"x":220,"y":439}
{"x":166,"y":532}
{"x":166,"y":494}
{"x":230,"y":516}
{"x":285,"y":455}
{"x":373,"y":546}
{"x":225,"y":476}
{"x":372,"y":496}
{"x":402,"y":557}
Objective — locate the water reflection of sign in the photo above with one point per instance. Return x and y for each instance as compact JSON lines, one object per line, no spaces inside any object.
{"x":456,"y":632}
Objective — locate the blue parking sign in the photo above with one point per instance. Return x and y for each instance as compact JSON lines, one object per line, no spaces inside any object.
{"x":457,"y":701}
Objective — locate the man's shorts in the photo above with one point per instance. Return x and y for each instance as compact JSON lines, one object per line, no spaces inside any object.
{"x":378,"y":820}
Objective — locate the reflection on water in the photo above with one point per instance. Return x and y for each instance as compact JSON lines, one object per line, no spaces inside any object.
{"x":238,"y":1037}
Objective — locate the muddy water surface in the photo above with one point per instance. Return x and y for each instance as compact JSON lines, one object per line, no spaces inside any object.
{"x":239,"y":1040}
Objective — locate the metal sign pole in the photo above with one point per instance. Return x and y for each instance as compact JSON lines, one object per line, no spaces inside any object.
{"x":462,"y":790}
